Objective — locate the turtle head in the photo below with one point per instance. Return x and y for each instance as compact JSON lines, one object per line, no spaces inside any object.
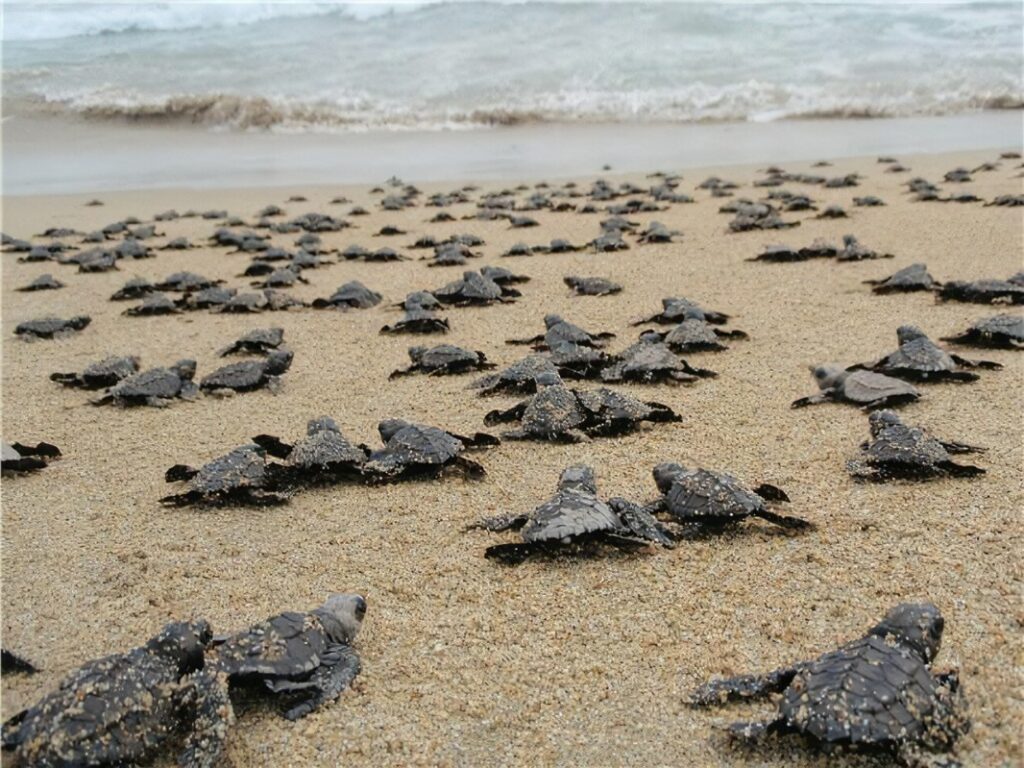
{"x":185,"y":369}
{"x":321,"y":424}
{"x":547,"y":379}
{"x":390,"y":427}
{"x":550,"y":321}
{"x":665,"y":474}
{"x":907,"y":333}
{"x":827,"y":376}
{"x":279,"y":361}
{"x":578,"y":477}
{"x":78,"y":322}
{"x":343,"y":615}
{"x":183,"y":643}
{"x":849,"y":240}
{"x":416,"y":353}
{"x":650,"y":337}
{"x":879,"y":420}
{"x":917,"y":626}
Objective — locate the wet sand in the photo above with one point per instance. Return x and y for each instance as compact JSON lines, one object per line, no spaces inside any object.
{"x":571,"y":662}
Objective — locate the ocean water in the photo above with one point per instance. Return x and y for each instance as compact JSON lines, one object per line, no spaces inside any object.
{"x":465,"y":65}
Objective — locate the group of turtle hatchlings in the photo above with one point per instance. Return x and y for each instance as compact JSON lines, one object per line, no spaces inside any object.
{"x":878,"y":692}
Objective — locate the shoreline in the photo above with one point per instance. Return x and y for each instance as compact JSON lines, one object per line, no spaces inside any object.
{"x":66,"y":156}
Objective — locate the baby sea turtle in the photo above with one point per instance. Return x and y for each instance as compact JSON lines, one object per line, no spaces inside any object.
{"x":323,"y":454}
{"x":503,"y":276}
{"x":913,"y":278}
{"x":868,"y":201}
{"x":561,"y":414}
{"x":474,"y":289}
{"x":898,"y":451}
{"x":45,"y":282}
{"x":576,"y":361}
{"x":250,"y":375}
{"x":259,"y":341}
{"x":1008,"y":201}
{"x":413,"y":450}
{"x":983,"y":292}
{"x":751,"y":216}
{"x":417,"y":320}
{"x":185,"y":281}
{"x":285,"y":277}
{"x":715,"y":500}
{"x":518,"y":378}
{"x":651,"y":360}
{"x":867,"y":389}
{"x":558,"y":330}
{"x":101,"y":374}
{"x":123,"y":709}
{"x":853,"y":251}
{"x":241,"y":476}
{"x":519,"y":249}
{"x":351,"y":295}
{"x":444,"y":359}
{"x":154,"y":304}
{"x":155,"y":387}
{"x":696,"y":335}
{"x":591,"y":286}
{"x":1000,"y":331}
{"x":878,"y":693}
{"x":833,"y":212}
{"x":51,"y":327}
{"x":136,"y":288}
{"x":920,"y":359}
{"x":575,"y":520}
{"x":18,"y":457}
{"x":675,"y":309}
{"x":306,"y":657}
{"x":177,"y":244}
{"x":656,"y":232}
{"x":609,"y":242}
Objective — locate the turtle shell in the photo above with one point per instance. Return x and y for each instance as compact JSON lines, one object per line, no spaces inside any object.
{"x":692,"y":334}
{"x":518,"y":377}
{"x":241,"y":376}
{"x":865,"y":387}
{"x":919,"y":355}
{"x":983,"y":291}
{"x":644,"y":360}
{"x":998,"y":331}
{"x":109,"y":371}
{"x":699,"y":494}
{"x":473,"y":288}
{"x":287,"y":645}
{"x":323,"y":448}
{"x":614,"y":406}
{"x":416,"y":444}
{"x":156,"y":382}
{"x":244,"y":467}
{"x":553,"y":411}
{"x":900,"y":444}
{"x":47,"y":327}
{"x":867,"y":693}
{"x":913,"y":278}
{"x":445,"y":356}
{"x":568,"y":514}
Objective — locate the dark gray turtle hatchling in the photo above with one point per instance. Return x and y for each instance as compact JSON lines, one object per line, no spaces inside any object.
{"x":751,"y":216}
{"x":443,"y":360}
{"x":875,"y":694}
{"x":154,"y":304}
{"x":124,"y":709}
{"x":51,"y":327}
{"x":983,"y":292}
{"x":578,"y":361}
{"x":853,"y":251}
{"x":136,"y":288}
{"x":208,"y":298}
{"x":675,"y":309}
{"x":591,"y":286}
{"x":243,"y":303}
{"x":502,"y":276}
{"x":558,"y":330}
{"x":651,"y":360}
{"x":518,"y":378}
{"x":715,"y":500}
{"x":177,"y":244}
{"x":519,"y":249}
{"x":608,"y":242}
{"x":18,"y":457}
{"x":913,"y":278}
{"x":305,"y":657}
{"x":921,"y":359}
{"x":697,"y":335}
{"x":413,"y":451}
{"x":867,"y":389}
{"x":242,"y":476}
{"x":897,"y":451}
{"x":474,"y":289}
{"x":185,"y":281}
{"x":417,"y":320}
{"x":101,"y":374}
{"x":13,"y":664}
{"x":259,"y":341}
{"x":1008,"y":201}
{"x":285,"y":277}
{"x":868,"y":201}
{"x":574,"y":520}
{"x":324,"y":454}
{"x":656,"y":232}
{"x":1000,"y":331}
{"x":351,"y":295}
{"x":45,"y":282}
{"x":155,"y":387}
{"x":250,"y":375}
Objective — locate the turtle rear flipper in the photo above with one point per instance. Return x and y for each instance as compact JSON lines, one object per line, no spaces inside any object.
{"x":524,"y":342}
{"x":742,"y":687}
{"x":499,"y":523}
{"x":13,"y":663}
{"x":478,"y":440}
{"x":339,"y":667}
{"x":67,"y":379}
{"x":987,"y":365}
{"x":11,"y":734}
{"x":515,"y":554}
{"x":180,"y":473}
{"x":783,"y":521}
{"x":472,"y":469}
{"x":515,"y":413}
{"x":273,"y":445}
{"x":206,"y":699}
{"x":702,"y":373}
{"x":770,"y":492}
{"x":182,"y":499}
{"x":660,"y":412}
{"x":961,"y":470}
{"x":46,"y":450}
{"x":803,"y":402}
{"x":954,"y":447}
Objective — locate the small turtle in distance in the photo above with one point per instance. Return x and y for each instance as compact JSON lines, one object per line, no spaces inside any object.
{"x":696,"y":335}
{"x":152,"y":305}
{"x":443,"y":360}
{"x":101,"y":374}
{"x":920,"y":359}
{"x":676,"y":309}
{"x":853,"y":251}
{"x":983,"y":292}
{"x":259,"y":341}
{"x":157,"y":387}
{"x":136,"y":288}
{"x":558,"y":330}
{"x":867,"y":389}
{"x":999,"y":332}
{"x":518,"y":378}
{"x":413,"y":450}
{"x":651,"y":360}
{"x":323,"y":454}
{"x":913,"y":278}
{"x":351,"y":295}
{"x":250,"y":375}
{"x":51,"y":327}
{"x":45,"y":282}
{"x":240,"y":477}
{"x":18,"y":457}
{"x":474,"y":289}
{"x":897,"y":451}
{"x":420,"y":321}
{"x":591,"y":286}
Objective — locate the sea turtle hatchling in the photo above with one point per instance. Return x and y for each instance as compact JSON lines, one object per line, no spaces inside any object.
{"x":474,"y":289}
{"x":591,"y":286}
{"x":898,"y":451}
{"x":983,"y":292}
{"x":259,"y":341}
{"x":999,"y":331}
{"x":920,"y":359}
{"x":518,"y":378}
{"x":558,"y":330}
{"x":136,"y":288}
{"x":323,"y":454}
{"x":443,"y":360}
{"x":852,"y":250}
{"x":574,"y":520}
{"x":418,"y":320}
{"x":241,"y":476}
{"x":249,"y":375}
{"x":51,"y":327}
{"x":913,"y":278}
{"x":351,"y":295}
{"x":715,"y":500}
{"x":45,"y":282}
{"x":154,"y":304}
{"x":18,"y":457}
{"x":867,"y":389}
{"x":503,"y":276}
{"x":306,"y":657}
{"x":696,"y":335}
{"x":878,"y":693}
{"x":101,"y":374}
{"x":651,"y":360}
{"x":125,"y":708}
{"x":675,"y":309}
{"x":155,"y":387}
{"x":413,"y":450}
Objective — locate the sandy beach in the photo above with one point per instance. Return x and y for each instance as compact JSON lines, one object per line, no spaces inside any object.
{"x":568,"y":662}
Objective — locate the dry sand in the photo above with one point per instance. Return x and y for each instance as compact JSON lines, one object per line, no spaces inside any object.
{"x":566,"y":662}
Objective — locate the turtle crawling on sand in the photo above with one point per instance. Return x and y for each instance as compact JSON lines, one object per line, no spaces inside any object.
{"x":575,"y":520}
{"x":18,"y":457}
{"x":853,"y":251}
{"x":154,"y":304}
{"x":51,"y":327}
{"x":413,"y":450}
{"x":877,"y":694}
{"x":591,"y":286}
{"x":651,"y":360}
{"x":124,"y":709}
{"x":418,"y":320}
{"x":474,"y":289}
{"x":443,"y":360}
{"x":898,"y":451}
{"x":45,"y":282}
{"x":259,"y":341}
{"x":249,"y":375}
{"x":101,"y":374}
{"x":1000,"y":331}
{"x":675,"y":309}
{"x":155,"y":387}
{"x":305,"y":657}
{"x":983,"y":292}
{"x":920,"y":359}
{"x":558,"y":330}
{"x":913,"y":278}
{"x":241,"y":476}
{"x":867,"y":389}
{"x":351,"y":295}
{"x":518,"y":378}
{"x":323,"y":454}
{"x":696,"y":335}
{"x":136,"y":288}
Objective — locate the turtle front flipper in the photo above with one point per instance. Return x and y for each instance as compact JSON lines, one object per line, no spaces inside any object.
{"x":742,"y":687}
{"x":206,"y":699}
{"x":783,"y":521}
{"x":180,"y":473}
{"x":515,"y":413}
{"x":499,"y":523}
{"x":755,"y":731}
{"x":770,"y":492}
{"x":803,"y":402}
{"x":339,"y":667}
{"x":12,"y":663}
{"x":953,"y":447}
{"x":524,"y":342}
{"x":987,"y":365}
{"x":477,"y":440}
{"x":399,"y":372}
{"x":67,"y":379}
{"x":702,"y":373}
{"x":961,"y":470}
{"x":515,"y":554}
{"x":274,"y":446}
{"x":661,"y":412}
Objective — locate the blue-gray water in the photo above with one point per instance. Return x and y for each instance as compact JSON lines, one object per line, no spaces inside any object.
{"x":329,"y":67}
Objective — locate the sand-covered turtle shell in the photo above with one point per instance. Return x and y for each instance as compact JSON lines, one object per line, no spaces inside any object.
{"x":418,"y":444}
{"x":351,"y":295}
{"x":916,"y":277}
{"x":553,"y":411}
{"x":983,"y":292}
{"x":286,"y":645}
{"x":248,"y":374}
{"x":700,"y":494}
{"x":473,"y":288}
{"x":163,"y":383}
{"x":325,"y":446}
{"x":243,"y":467}
{"x":518,"y":377}
{"x":569,"y":513}
{"x":1000,"y":331}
